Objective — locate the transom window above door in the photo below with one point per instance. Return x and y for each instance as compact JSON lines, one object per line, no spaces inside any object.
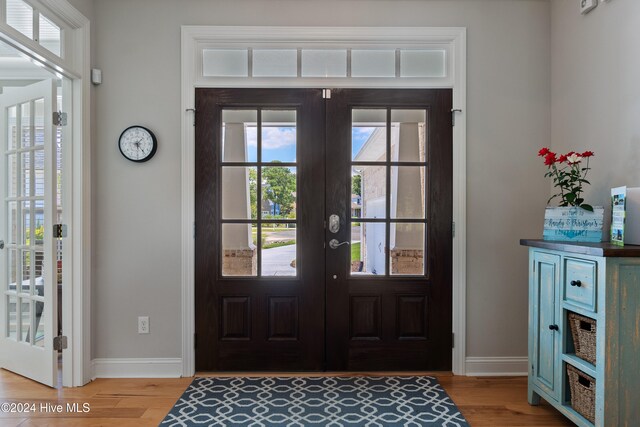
{"x":259,"y":192}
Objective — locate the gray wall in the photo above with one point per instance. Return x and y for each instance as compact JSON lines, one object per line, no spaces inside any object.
{"x":596,"y":91}
{"x":137,"y":207}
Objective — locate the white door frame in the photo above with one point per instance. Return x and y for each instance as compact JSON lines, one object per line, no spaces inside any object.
{"x":197,"y":38}
{"x":74,"y":65}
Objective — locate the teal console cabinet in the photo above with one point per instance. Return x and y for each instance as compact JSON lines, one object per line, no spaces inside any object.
{"x":599,"y":281}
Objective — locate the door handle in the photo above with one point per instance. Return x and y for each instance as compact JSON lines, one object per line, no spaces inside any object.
{"x":554,"y":327}
{"x":1,"y":244}
{"x":334,"y":244}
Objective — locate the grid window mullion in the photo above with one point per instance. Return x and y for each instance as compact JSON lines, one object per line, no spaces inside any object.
{"x":259,"y":193}
{"x":387,"y":228}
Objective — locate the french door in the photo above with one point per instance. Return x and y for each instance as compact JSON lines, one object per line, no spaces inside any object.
{"x":323,"y":229}
{"x":28,"y":189}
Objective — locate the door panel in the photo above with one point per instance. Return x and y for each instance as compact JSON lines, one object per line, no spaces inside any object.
{"x":389,"y":291}
{"x":28,"y":189}
{"x":259,"y":229}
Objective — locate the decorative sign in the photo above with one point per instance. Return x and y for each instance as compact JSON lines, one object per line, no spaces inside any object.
{"x":573,"y":224}
{"x":618,"y":214}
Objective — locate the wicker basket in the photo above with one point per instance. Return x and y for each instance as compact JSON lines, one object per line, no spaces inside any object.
{"x":583,"y":393}
{"x":583,"y":330}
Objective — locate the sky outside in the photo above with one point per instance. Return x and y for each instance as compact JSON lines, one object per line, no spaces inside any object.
{"x":279,"y":143}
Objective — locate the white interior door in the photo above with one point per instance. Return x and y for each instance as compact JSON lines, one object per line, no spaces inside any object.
{"x":28,"y":188}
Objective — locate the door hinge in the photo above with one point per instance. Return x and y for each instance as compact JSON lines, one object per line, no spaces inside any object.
{"x":59,"y":231}
{"x":326,"y":93}
{"x":59,"y":118}
{"x":453,"y":229}
{"x":453,"y":340}
{"x":59,"y":343}
{"x":453,"y":115}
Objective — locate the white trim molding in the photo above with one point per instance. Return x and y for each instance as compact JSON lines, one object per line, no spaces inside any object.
{"x":136,"y":368}
{"x":497,"y":366}
{"x":195,"y":39}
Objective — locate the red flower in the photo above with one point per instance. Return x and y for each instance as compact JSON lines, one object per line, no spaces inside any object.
{"x":570,"y":153}
{"x":562,"y":158}
{"x":550,"y":158}
{"x":544,"y":152}
{"x":587,"y":154}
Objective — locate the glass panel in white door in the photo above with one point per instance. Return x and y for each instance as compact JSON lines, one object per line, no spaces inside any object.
{"x":28,"y":319}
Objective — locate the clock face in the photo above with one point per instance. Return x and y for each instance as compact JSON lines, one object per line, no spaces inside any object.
{"x":138,"y":144}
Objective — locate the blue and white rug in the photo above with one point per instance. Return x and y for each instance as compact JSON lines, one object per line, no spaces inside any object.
{"x":315,"y":401}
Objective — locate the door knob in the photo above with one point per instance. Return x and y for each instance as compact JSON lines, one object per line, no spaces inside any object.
{"x":554,"y":327}
{"x":334,"y":244}
{"x":577,"y":283}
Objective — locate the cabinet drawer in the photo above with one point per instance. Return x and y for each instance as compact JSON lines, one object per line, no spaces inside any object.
{"x":580,"y":282}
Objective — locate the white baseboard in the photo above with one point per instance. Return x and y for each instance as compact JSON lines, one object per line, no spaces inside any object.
{"x":136,"y":368}
{"x":496,"y":366}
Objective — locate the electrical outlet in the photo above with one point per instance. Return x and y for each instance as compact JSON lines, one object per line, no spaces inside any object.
{"x":143,"y":324}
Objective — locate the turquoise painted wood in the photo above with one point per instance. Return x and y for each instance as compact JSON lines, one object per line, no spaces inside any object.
{"x":609,"y":292}
{"x":546,"y":341}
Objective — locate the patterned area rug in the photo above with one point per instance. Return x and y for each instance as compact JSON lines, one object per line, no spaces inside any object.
{"x":315,"y":401}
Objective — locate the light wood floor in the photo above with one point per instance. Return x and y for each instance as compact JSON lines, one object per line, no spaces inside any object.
{"x":493,"y":402}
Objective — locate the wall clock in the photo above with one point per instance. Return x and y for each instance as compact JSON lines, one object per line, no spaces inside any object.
{"x":137,"y":143}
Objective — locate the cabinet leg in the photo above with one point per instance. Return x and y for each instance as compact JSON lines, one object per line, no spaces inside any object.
{"x":532,"y":397}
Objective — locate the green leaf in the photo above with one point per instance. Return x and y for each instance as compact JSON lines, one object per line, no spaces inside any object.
{"x":587,"y":207}
{"x":570,"y":197}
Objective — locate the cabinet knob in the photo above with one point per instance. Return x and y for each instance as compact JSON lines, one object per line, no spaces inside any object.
{"x":554,"y":327}
{"x":577,"y":283}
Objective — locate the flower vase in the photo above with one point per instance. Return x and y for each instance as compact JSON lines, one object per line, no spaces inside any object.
{"x":573,"y":224}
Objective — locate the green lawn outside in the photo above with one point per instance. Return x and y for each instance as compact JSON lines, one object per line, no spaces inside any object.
{"x":355,"y":252}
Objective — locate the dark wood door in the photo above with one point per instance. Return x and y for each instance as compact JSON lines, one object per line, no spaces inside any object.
{"x":259,"y":182}
{"x":389,"y":181}
{"x":271,"y":293}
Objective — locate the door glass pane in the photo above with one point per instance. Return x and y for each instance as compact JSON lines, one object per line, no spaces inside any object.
{"x":239,"y":140}
{"x":25,"y":177}
{"x":26,"y":223}
{"x":25,"y":316}
{"x":39,"y":121}
{"x":12,"y":316}
{"x":406,"y":256}
{"x":278,"y":192}
{"x":239,"y":250}
{"x":12,"y":174}
{"x":13,"y":222}
{"x":408,"y":135}
{"x":25,"y":124}
{"x":368,"y":247}
{"x":40,"y":324}
{"x":369,"y":135}
{"x":12,"y":268}
{"x":239,"y":192}
{"x":324,"y":63}
{"x":278,"y":249}
{"x":12,"y":130}
{"x":26,"y":272}
{"x":371,"y":183}
{"x":38,"y":273}
{"x":279,"y":136}
{"x":39,"y":172}
{"x":408,"y":192}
